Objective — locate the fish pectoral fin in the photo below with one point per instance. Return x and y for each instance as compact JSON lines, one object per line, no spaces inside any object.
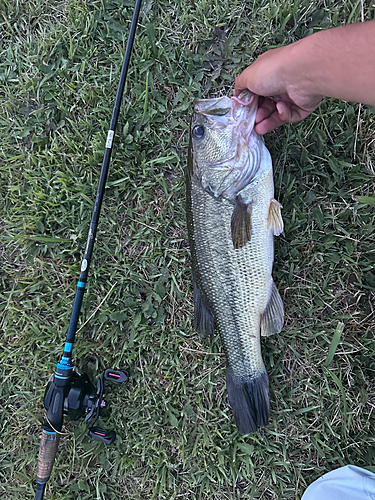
{"x":275,"y":220}
{"x":204,"y":319}
{"x":240,"y":223}
{"x":272,"y":319}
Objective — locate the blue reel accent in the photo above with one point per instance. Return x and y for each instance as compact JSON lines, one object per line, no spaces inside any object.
{"x":48,"y":432}
{"x":64,"y":364}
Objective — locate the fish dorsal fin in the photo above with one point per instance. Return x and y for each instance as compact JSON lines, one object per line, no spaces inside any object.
{"x":272,"y":319}
{"x":275,"y":220}
{"x":240,"y":223}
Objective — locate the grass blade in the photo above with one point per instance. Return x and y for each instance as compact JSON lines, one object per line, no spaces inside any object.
{"x":369,"y":200}
{"x":334,"y":343}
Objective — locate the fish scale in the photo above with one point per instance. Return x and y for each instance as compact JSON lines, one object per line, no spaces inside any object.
{"x":233,"y":286}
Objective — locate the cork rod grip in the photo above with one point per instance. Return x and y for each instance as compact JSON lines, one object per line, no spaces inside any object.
{"x":47,"y":454}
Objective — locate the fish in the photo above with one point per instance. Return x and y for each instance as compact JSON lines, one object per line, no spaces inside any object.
{"x":232,"y":218}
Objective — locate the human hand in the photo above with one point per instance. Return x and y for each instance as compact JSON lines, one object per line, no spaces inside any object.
{"x":285,"y":94}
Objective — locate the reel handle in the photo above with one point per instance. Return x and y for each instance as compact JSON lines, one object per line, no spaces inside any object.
{"x":116,"y":376}
{"x":106,"y":437}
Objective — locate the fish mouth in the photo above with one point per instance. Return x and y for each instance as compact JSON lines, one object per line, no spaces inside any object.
{"x":245,"y":98}
{"x":216,"y":106}
{"x":220,"y":111}
{"x":243,"y":107}
{"x":220,"y":106}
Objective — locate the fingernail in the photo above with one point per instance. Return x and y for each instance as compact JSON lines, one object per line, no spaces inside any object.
{"x":279,"y":108}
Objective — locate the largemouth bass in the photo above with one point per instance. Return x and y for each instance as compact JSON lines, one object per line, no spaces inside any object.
{"x":232,"y":217}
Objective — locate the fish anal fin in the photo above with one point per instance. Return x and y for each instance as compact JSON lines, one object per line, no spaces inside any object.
{"x":240,"y":223}
{"x":272,"y":319}
{"x":204,"y":319}
{"x":275,"y":220}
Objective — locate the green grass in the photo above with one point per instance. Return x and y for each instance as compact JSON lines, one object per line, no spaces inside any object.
{"x":59,"y":68}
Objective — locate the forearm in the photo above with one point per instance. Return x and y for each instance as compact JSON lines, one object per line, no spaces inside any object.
{"x":338,"y":63}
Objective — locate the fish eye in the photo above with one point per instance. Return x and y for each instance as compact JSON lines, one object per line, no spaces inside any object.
{"x":198,"y":131}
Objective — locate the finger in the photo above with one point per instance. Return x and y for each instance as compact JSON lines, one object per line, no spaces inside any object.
{"x":240,"y":83}
{"x":270,"y":123}
{"x":298,"y":114}
{"x":265,"y":109}
{"x":245,"y":80}
{"x":291,"y":113}
{"x":237,"y":91}
{"x":284,"y":111}
{"x":271,"y":115}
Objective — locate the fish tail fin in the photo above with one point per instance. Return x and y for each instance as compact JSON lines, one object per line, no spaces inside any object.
{"x":249,"y":400}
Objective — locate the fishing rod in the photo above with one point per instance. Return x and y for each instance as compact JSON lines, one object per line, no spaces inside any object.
{"x":68,"y":392}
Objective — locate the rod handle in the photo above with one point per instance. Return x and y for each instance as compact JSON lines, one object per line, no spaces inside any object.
{"x":47,"y":454}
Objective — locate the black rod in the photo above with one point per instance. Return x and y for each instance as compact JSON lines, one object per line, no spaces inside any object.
{"x":100,"y":192}
{"x":63,"y":374}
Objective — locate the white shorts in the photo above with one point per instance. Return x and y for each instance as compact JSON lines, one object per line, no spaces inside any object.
{"x":347,"y":483}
